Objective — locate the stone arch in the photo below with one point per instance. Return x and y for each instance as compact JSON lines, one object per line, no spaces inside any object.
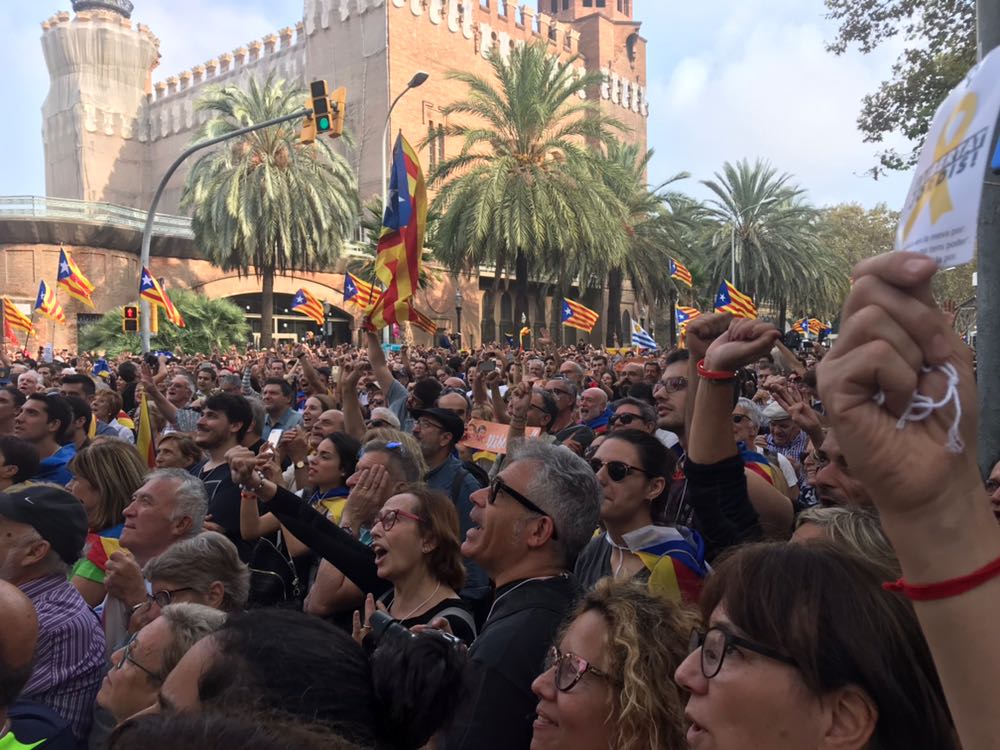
{"x":488,"y":326}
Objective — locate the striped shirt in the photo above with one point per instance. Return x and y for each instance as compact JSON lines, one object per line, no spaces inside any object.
{"x":69,"y":657}
{"x":795,"y":448}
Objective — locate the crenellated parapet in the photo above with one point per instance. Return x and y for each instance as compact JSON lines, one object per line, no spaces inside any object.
{"x":170,"y":109}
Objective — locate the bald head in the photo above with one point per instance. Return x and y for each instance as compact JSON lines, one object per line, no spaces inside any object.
{"x":17,"y":642}
{"x":593,"y":402}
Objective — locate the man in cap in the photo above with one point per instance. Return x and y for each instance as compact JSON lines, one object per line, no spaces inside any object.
{"x":42,"y":532}
{"x":786,"y":437}
{"x":438,"y":430}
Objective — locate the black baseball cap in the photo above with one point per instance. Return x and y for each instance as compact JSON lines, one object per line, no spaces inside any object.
{"x":54,"y":513}
{"x":450,"y":422}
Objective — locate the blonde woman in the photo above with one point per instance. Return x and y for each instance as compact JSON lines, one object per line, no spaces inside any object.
{"x":105,"y":474}
{"x":608,"y":680}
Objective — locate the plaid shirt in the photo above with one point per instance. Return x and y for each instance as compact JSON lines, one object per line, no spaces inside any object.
{"x":69,"y":658}
{"x":794,"y":450}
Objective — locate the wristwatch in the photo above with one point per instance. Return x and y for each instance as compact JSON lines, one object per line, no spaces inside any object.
{"x":300,"y":465}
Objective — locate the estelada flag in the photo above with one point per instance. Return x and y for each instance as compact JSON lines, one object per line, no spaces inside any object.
{"x":679,"y":271}
{"x":14,"y":318}
{"x":144,"y":442}
{"x":150,"y":289}
{"x":306,"y":304}
{"x":578,"y":316}
{"x":732,"y":300}
{"x":358,"y":292}
{"x":48,"y":305}
{"x":683,"y":315}
{"x":71,"y":279}
{"x":421,"y":321}
{"x":401,"y":242}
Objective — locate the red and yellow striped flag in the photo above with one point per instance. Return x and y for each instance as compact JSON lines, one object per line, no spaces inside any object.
{"x":578,"y":316}
{"x":15,"y":318}
{"x":144,"y":441}
{"x":71,"y":278}
{"x":306,"y":304}
{"x":48,"y":305}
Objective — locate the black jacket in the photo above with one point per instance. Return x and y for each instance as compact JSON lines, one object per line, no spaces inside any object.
{"x":505,"y":658}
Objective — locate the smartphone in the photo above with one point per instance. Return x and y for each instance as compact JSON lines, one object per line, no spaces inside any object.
{"x":487,"y":365}
{"x":274,"y":437}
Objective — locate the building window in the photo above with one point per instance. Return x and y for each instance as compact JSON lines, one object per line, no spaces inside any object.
{"x":432,"y":144}
{"x":555,"y":6}
{"x":440,"y":143}
{"x":590,"y":3}
{"x":601,"y":3}
{"x":566,"y":4}
{"x":626,"y":7}
{"x":620,"y":9}
{"x":484,"y":3}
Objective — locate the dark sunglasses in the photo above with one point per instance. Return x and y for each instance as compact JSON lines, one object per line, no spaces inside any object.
{"x":617,"y":470}
{"x":625,"y":419}
{"x":498,"y":485}
{"x":740,"y":418}
{"x":570,"y":669}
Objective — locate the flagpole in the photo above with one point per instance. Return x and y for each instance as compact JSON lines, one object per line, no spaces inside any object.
{"x":147,"y":232}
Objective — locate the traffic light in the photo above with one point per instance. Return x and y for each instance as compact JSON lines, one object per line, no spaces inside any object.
{"x":130,"y":319}
{"x":320,"y":107}
{"x":308,"y":133}
{"x":338,"y":103}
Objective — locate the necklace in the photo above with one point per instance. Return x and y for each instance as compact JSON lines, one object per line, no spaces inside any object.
{"x":417,"y":608}
{"x":512,"y":590}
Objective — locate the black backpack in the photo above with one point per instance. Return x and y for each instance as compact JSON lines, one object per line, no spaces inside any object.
{"x":273,"y":577}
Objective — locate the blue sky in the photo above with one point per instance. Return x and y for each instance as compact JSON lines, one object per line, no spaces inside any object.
{"x":727,"y":79}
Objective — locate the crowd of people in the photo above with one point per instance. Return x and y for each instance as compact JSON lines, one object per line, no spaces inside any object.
{"x":726,"y":545}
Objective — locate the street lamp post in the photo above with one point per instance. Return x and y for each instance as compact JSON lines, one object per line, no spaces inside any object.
{"x":458,"y":314}
{"x":418,"y":79}
{"x":732,"y":236}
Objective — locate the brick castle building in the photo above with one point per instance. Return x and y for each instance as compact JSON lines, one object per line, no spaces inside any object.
{"x":111,"y":129}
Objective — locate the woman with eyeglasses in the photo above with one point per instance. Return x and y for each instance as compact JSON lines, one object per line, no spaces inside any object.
{"x":802,"y":648}
{"x":607,"y":680}
{"x":633,"y":469}
{"x":416,"y":547}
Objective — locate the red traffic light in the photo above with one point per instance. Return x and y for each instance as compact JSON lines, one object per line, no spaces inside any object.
{"x":131,"y":312}
{"x":130,"y":319}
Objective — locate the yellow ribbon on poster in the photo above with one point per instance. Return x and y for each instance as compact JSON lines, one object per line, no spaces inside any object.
{"x":937,"y":194}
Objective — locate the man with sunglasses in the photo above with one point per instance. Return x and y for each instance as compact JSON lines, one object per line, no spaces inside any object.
{"x":565,"y":427}
{"x":632,"y":414}
{"x":528,"y":528}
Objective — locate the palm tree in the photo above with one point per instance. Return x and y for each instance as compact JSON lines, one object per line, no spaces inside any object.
{"x":210,"y":325}
{"x":524,"y":193}
{"x":778,"y":253}
{"x":655,"y":223}
{"x":267,"y":200}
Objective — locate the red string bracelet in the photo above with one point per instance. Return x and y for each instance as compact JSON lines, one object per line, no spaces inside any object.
{"x":714,"y":374}
{"x":926,"y":592}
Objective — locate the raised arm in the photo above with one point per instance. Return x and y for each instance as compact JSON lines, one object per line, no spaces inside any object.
{"x":922,"y":473}
{"x":354,"y":420}
{"x":167,"y":409}
{"x":377,"y":358}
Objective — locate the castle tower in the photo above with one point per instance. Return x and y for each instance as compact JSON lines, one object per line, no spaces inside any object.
{"x":99,"y":71}
{"x":609,"y":40}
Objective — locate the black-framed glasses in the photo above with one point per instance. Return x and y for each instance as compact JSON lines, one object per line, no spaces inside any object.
{"x":163,"y":597}
{"x":127,"y":657}
{"x":625,"y":419}
{"x":617,"y":470}
{"x":716,"y":642}
{"x":673,"y":385}
{"x":571,"y":668}
{"x":498,"y":485}
{"x":389,"y":517}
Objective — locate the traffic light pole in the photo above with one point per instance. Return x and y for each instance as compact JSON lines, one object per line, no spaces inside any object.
{"x":147,"y":232}
{"x":988,"y":280}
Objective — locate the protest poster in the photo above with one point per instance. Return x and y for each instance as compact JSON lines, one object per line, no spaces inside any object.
{"x":941,"y":213}
{"x":481,"y":435}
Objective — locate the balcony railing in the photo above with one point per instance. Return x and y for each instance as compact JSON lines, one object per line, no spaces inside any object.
{"x":34,"y":207}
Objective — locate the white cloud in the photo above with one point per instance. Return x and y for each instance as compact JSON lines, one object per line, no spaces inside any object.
{"x":765,"y":86}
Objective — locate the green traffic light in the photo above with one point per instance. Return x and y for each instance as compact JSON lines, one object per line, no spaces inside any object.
{"x":323,"y":123}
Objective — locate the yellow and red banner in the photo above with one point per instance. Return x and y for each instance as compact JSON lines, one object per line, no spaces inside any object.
{"x":14,"y":318}
{"x":150,"y":289}
{"x":578,"y":316}
{"x":71,"y":279}
{"x":48,"y":305}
